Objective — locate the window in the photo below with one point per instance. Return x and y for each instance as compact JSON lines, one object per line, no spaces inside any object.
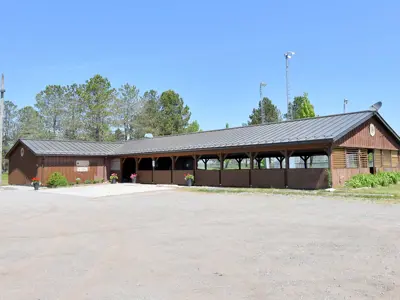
{"x":352,"y":158}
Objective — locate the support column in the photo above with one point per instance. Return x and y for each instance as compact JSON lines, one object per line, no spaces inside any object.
{"x":330,"y":165}
{"x":172,"y":168}
{"x":137,"y":161}
{"x":205,"y":161}
{"x":280,"y":159}
{"x":287,"y":155}
{"x":153,"y":165}
{"x":239,"y":161}
{"x":121,"y":168}
{"x":250,"y":156}
{"x":194,"y":166}
{"x":305,"y":159}
{"x":221,"y":167}
{"x":42,"y":173}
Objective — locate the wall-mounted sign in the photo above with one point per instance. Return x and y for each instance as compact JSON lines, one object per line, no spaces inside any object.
{"x":82,"y":169}
{"x":115,"y":164}
{"x":22,"y":152}
{"x":372,"y":129}
{"x":82,"y":163}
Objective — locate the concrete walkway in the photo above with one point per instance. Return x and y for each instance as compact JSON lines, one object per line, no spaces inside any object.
{"x":98,"y":190}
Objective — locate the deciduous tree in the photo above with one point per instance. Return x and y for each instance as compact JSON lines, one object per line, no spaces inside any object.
{"x":301,"y":107}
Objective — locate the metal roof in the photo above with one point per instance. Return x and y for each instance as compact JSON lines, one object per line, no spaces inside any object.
{"x":296,"y":131}
{"x":326,"y":128}
{"x":68,"y":148}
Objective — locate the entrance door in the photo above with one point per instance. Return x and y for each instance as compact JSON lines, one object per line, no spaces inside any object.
{"x":371,"y":163}
{"x":128,"y":168}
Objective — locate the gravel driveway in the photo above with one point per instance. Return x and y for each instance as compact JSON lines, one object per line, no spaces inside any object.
{"x":179,"y":245}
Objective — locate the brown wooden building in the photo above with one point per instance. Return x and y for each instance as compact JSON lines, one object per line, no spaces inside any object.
{"x":264,"y":155}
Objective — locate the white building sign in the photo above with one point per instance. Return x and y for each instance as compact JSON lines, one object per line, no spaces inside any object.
{"x":82,"y":163}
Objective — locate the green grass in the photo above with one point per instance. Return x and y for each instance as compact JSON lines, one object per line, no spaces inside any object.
{"x":4,"y":179}
{"x":390,"y":194}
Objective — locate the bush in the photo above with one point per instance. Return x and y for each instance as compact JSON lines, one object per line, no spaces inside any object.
{"x":370,"y":180}
{"x":87,"y":181}
{"x":57,"y":179}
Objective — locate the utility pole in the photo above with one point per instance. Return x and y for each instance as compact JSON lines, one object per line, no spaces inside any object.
{"x":345,"y":102}
{"x":2,"y":91}
{"x":262,"y":84}
{"x":288,"y":55}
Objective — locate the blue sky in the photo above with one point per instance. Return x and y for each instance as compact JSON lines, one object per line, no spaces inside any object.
{"x":213,"y":53}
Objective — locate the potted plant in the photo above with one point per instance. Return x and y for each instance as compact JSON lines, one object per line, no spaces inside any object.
{"x":133,"y":177}
{"x":189,"y":179}
{"x":35,"y":183}
{"x":113,"y":178}
{"x":78,"y":180}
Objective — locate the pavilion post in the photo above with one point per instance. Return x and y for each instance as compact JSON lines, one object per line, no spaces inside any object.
{"x":221,"y":166}
{"x":172,"y":168}
{"x":250,"y":156}
{"x":153,"y":165}
{"x":287,"y":155}
{"x":330,"y":164}
{"x":194,"y":165}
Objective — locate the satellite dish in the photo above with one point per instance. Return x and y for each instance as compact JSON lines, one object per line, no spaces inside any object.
{"x":376,"y":106}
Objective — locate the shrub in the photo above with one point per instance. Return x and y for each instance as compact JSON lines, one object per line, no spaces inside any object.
{"x":370,"y":180}
{"x":57,"y":179}
{"x":87,"y":181}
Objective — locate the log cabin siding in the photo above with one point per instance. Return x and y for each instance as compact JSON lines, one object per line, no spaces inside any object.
{"x":360,"y":137}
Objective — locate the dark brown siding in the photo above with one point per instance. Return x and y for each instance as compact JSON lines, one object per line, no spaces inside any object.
{"x":307,"y":178}
{"x":179,"y":176}
{"x":235,"y":178}
{"x":144,"y":176}
{"x":66,"y":165}
{"x":361,"y":137}
{"x":162,"y":177}
{"x":272,"y":178}
{"x":22,"y":168}
{"x":207,"y":178}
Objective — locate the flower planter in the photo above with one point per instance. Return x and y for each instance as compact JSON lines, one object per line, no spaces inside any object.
{"x":189,"y":182}
{"x":36,"y":186}
{"x":113,"y":181}
{"x":134,"y":180}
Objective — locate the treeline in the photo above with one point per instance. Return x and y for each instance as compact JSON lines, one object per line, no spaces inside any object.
{"x":299,"y":108}
{"x":95,"y":111}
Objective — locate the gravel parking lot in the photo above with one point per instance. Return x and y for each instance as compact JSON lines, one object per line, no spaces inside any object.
{"x":179,"y":245}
